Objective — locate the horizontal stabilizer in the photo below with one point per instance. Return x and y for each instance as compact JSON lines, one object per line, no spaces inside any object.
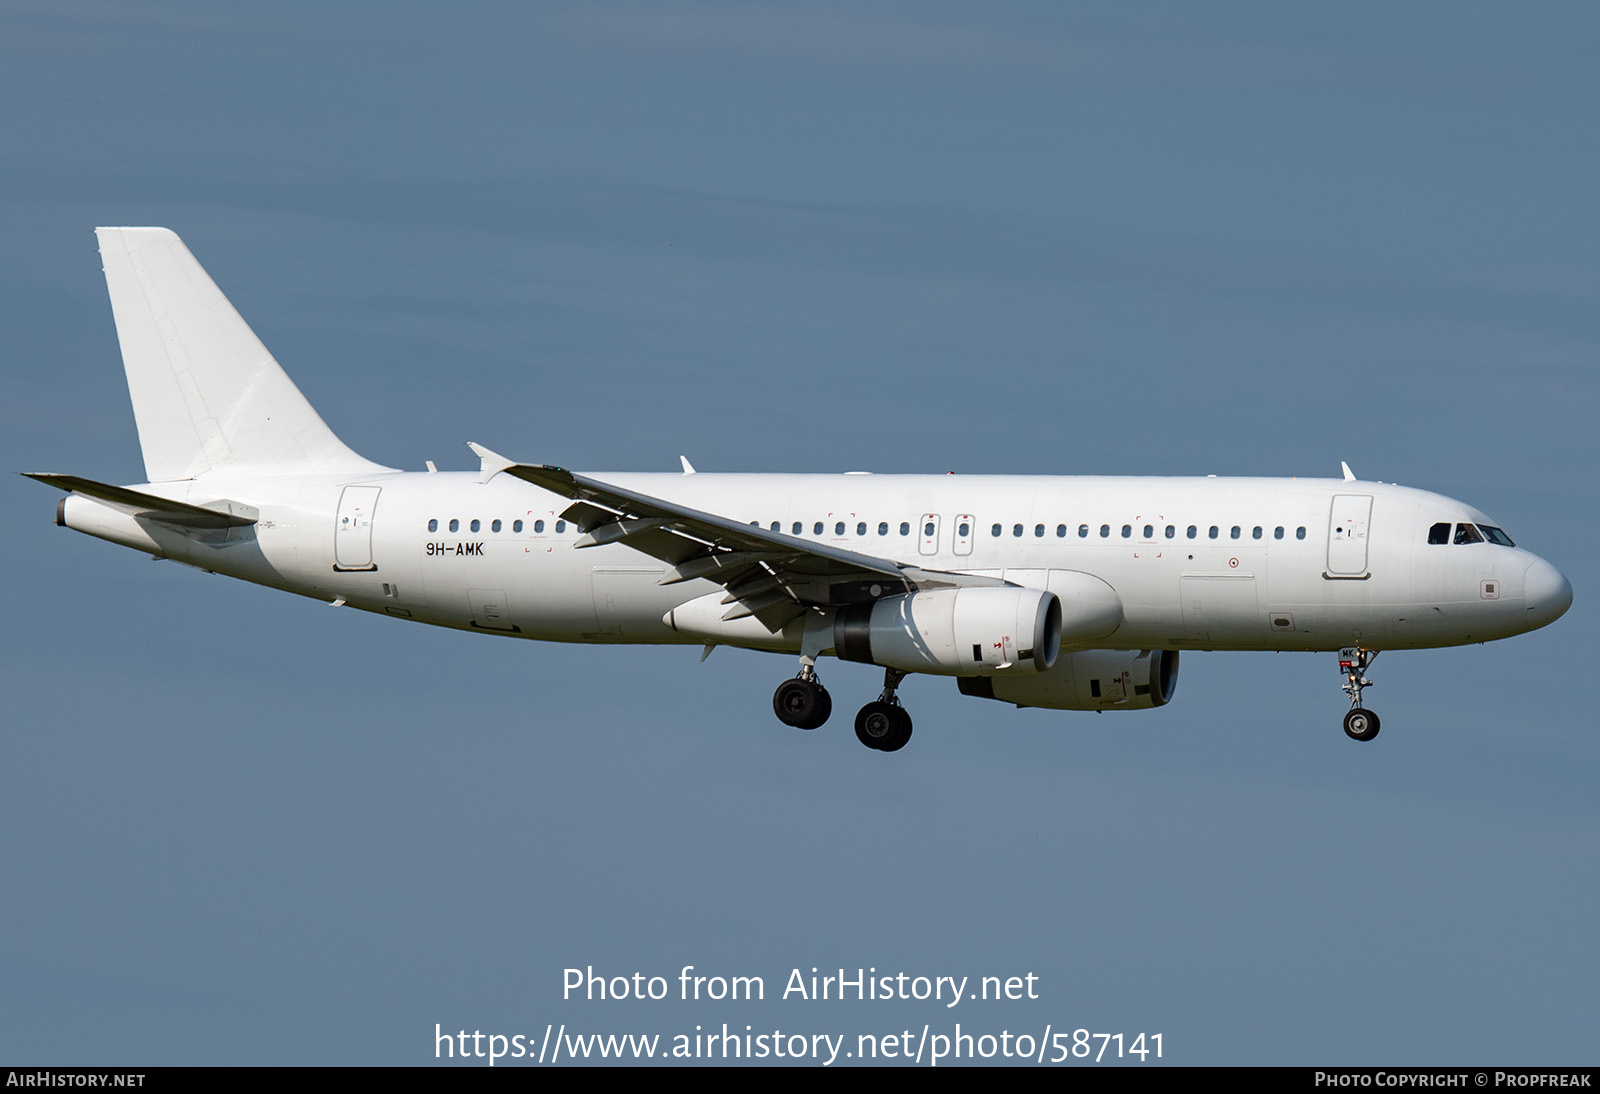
{"x":224,"y":514}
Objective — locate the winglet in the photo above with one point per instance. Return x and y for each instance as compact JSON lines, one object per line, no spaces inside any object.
{"x":1349,"y":475}
{"x":688,"y":468}
{"x":493,"y":462}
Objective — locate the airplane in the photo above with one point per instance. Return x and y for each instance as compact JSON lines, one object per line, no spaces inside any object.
{"x":1069,"y":593}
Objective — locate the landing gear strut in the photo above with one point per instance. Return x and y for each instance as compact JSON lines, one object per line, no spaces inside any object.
{"x":1360,"y":724}
{"x":802,"y":702}
{"x":885,"y":725}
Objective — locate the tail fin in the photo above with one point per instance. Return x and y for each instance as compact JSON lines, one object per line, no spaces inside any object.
{"x":206,"y":393}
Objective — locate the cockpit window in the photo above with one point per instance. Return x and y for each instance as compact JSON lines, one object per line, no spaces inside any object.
{"x":1466,"y":533}
{"x":1495,"y":535}
{"x":1439,"y":533}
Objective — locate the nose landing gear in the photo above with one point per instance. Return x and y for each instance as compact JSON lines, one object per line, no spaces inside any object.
{"x":1360,"y":724}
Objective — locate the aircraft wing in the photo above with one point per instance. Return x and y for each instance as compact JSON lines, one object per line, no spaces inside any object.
{"x":769,"y":575}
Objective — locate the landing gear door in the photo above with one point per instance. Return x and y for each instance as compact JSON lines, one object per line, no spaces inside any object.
{"x":929,"y":527}
{"x":1347,"y":535}
{"x":352,"y":531}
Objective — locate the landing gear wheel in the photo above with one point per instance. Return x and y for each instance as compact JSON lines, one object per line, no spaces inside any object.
{"x":802,"y":703}
{"x":875,"y":724}
{"x":883,"y":726}
{"x":1361,"y":724}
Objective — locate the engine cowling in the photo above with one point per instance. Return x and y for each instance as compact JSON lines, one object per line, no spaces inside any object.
{"x":1088,"y":680}
{"x":954,"y":632}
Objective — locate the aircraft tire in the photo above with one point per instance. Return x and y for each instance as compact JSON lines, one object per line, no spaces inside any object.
{"x":803,"y":704}
{"x":883,"y":726}
{"x":1361,"y":724}
{"x":875,"y":724}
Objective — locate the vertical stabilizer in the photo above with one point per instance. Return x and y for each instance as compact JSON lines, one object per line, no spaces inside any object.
{"x":206,"y":393}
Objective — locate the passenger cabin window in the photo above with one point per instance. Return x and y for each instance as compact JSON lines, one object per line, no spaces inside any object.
{"x":1083,"y":531}
{"x":964,"y":530}
{"x":1127,"y":531}
{"x":1255,"y":533}
{"x":928,"y":529}
{"x":905,"y":528}
{"x":796,"y":528}
{"x":433,"y":525}
{"x":861,"y":528}
{"x":474,"y":526}
{"x":1300,"y":532}
{"x":1038,"y":531}
{"x":495,"y":525}
{"x":1277,"y":533}
{"x":455,"y":525}
{"x":561,"y":526}
{"x":995,"y":531}
{"x":1105,"y":531}
{"x":1016,"y":529}
{"x":838,"y":528}
{"x":1466,"y":533}
{"x":883,"y":528}
{"x":1061,"y":531}
{"x":816,"y":529}
{"x":516,"y":526}
{"x":1213,"y":532}
{"x":776,"y":525}
{"x":1235,"y":533}
{"x":1193,"y":531}
{"x":538,"y":526}
{"x":1171,"y":531}
{"x":1149,"y":531}
{"x":1439,"y":533}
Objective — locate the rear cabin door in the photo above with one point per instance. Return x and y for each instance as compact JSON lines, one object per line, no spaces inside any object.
{"x":352,"y":534}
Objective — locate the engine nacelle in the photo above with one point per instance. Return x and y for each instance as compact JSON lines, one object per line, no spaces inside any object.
{"x":954,"y":632}
{"x":1088,"y":680}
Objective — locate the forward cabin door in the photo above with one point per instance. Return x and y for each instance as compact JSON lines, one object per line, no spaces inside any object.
{"x":352,"y":533}
{"x":1348,"y":525}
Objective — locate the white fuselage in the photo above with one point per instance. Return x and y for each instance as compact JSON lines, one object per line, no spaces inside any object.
{"x":1197,"y":563}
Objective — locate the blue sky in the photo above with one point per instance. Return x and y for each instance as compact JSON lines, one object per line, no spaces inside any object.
{"x":1141,"y":239}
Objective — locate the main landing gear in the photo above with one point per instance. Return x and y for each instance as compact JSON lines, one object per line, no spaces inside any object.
{"x":802,"y":702}
{"x":1360,"y":724}
{"x":884,"y":725}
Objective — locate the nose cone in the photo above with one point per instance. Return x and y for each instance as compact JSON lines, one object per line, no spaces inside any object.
{"x":1546,"y":593}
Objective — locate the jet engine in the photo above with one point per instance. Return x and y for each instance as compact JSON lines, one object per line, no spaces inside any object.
{"x":954,"y":632}
{"x":1088,"y":680}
